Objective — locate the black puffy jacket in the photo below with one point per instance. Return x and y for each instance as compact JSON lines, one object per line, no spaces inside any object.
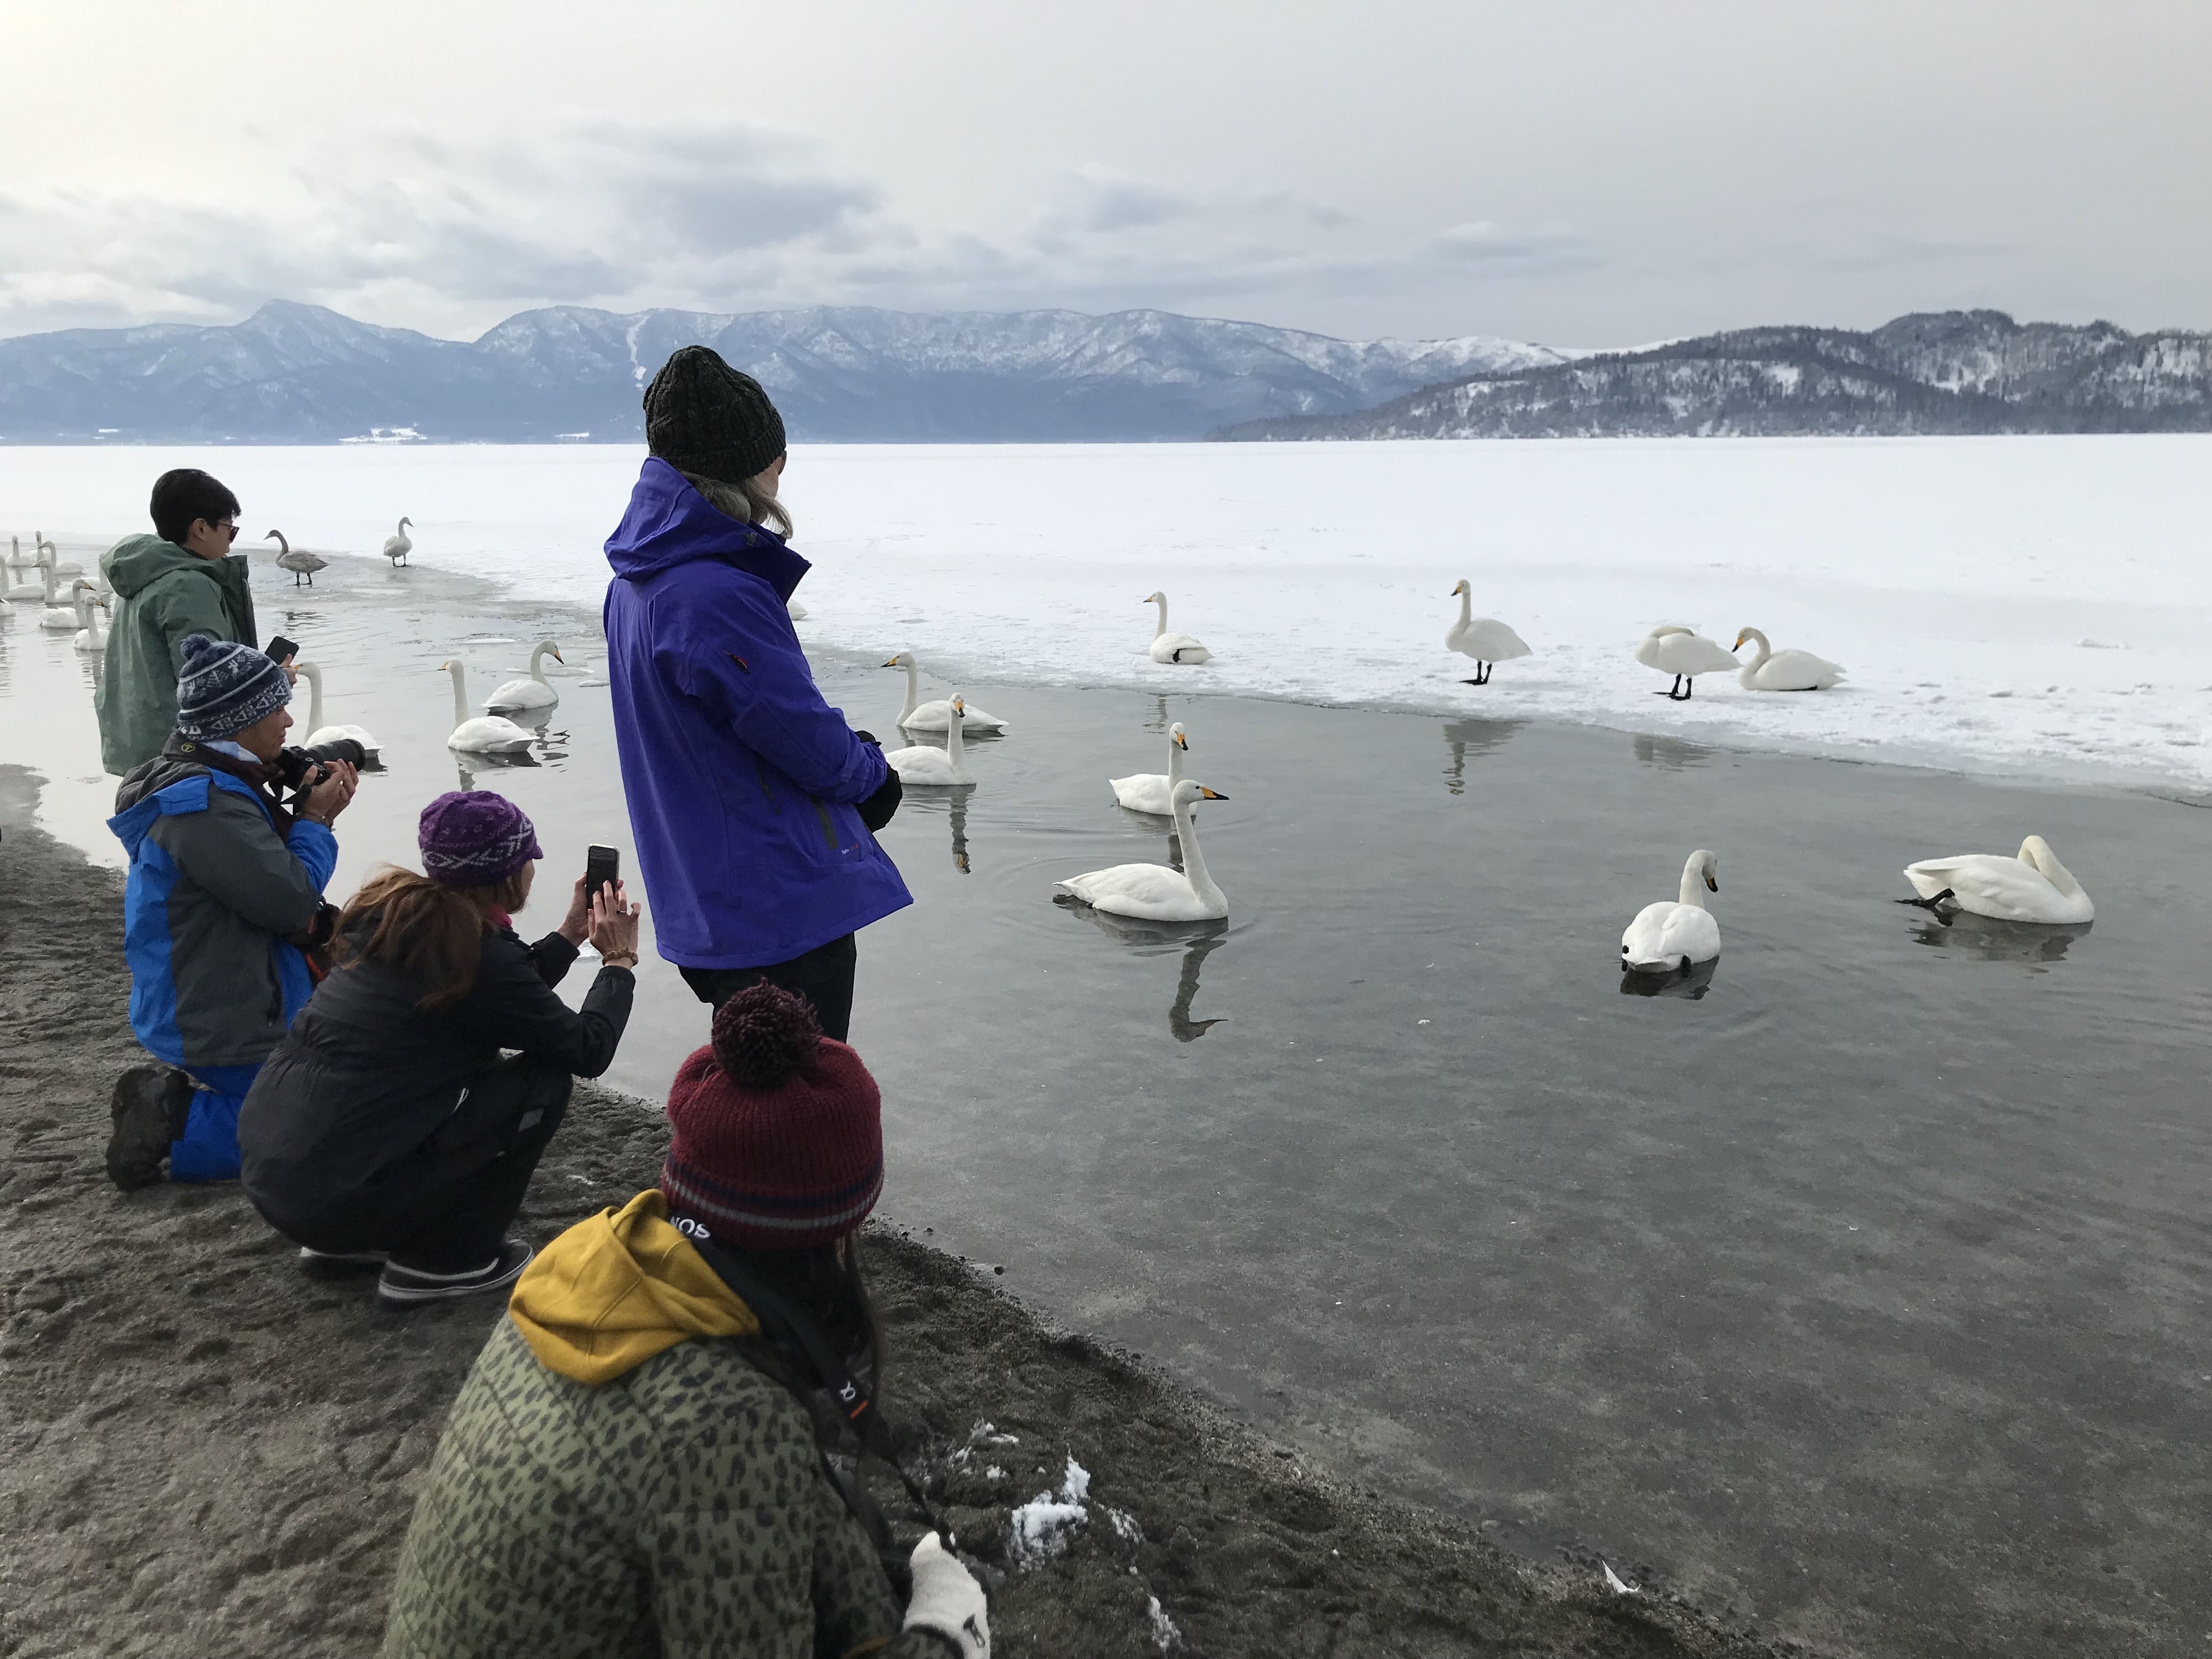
{"x":365,"y":1077}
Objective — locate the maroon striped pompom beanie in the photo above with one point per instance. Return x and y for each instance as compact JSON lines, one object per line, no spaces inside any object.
{"x":776,"y":1131}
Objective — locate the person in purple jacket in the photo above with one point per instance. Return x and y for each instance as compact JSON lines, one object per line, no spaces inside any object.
{"x":753,"y":805}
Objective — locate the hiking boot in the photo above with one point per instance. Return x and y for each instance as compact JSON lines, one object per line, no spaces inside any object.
{"x":150,"y":1108}
{"x":401,"y":1289}
{"x":341,"y":1264}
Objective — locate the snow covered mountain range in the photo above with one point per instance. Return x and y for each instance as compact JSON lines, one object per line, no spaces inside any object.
{"x":298,"y":374}
{"x":1943,"y":371}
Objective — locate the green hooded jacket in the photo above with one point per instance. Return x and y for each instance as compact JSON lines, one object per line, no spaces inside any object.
{"x":163,"y":595}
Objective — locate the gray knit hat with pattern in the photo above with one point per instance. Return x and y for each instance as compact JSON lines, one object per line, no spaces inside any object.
{"x":225,"y":686}
{"x":703,"y":416}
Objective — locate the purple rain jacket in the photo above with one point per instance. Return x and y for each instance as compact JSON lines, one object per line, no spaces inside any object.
{"x":741,"y":781}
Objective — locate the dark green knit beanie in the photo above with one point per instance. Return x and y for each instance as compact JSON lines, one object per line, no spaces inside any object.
{"x":703,"y":416}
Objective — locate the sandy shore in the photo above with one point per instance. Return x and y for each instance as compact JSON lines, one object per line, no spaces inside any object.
{"x":203,"y":1452}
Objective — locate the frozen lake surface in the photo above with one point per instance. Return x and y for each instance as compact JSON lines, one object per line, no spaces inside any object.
{"x":2037,"y":606}
{"x":1865,"y":1292}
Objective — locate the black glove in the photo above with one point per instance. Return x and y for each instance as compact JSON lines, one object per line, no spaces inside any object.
{"x":876,"y":811}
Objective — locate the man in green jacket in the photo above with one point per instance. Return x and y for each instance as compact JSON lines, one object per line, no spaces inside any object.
{"x":182,"y":581}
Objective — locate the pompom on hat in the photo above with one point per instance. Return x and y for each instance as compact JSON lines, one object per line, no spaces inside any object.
{"x":703,"y":416}
{"x":776,"y":1131}
{"x":225,"y":686}
{"x":475,"y":838}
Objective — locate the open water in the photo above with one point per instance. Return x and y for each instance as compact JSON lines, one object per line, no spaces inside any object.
{"x":1859,"y":1285}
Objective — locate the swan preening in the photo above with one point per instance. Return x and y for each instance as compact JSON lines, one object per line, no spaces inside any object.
{"x":484,"y":734}
{"x":2033,"y":887}
{"x":398,"y":547}
{"x":1172,"y":648}
{"x":1684,"y":654}
{"x":533,"y":690}
{"x":300,"y":564}
{"x":1668,"y":935}
{"x":1154,"y":791}
{"x":935,"y":716}
{"x":319,"y":733}
{"x":923,"y":764}
{"x":1784,"y":670}
{"x":1483,"y":638}
{"x":1152,"y":891}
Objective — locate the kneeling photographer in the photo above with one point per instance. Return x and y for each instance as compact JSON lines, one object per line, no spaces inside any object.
{"x":386,"y":1133}
{"x":223,"y":905}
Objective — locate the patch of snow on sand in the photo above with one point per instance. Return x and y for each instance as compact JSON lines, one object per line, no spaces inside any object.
{"x":1039,"y":1527}
{"x":1972,"y":587}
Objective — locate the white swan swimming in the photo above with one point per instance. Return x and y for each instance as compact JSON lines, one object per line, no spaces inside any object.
{"x":485,"y":734}
{"x":69,"y":616}
{"x":1152,"y":891}
{"x":2033,"y":887}
{"x":534,"y":690}
{"x":1784,"y":670}
{"x":1684,"y":654}
{"x":16,"y":559}
{"x":922,"y":764}
{"x":50,"y":554}
{"x":1172,"y":648}
{"x":797,"y":610}
{"x":44,"y":589}
{"x":1154,"y":791}
{"x":398,"y":547}
{"x":1486,"y":639}
{"x":1666,"y":936}
{"x":919,"y":716}
{"x":300,"y":564}
{"x":319,"y":733}
{"x":93,"y":636}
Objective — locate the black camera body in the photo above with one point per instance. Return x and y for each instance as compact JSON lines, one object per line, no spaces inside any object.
{"x":301,"y":770}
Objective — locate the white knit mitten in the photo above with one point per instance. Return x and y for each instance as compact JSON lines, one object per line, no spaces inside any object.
{"x":947,"y":1600}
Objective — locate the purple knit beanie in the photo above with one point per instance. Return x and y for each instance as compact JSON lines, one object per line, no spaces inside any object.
{"x":474,"y":838}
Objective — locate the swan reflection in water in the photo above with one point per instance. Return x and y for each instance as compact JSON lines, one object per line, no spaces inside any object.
{"x":468,"y":765}
{"x":951,"y":800}
{"x":1197,"y":940}
{"x":1668,"y":754}
{"x":1691,"y":979}
{"x":1159,"y":720}
{"x":1478,"y":738}
{"x":1988,"y":939}
{"x":959,"y":815}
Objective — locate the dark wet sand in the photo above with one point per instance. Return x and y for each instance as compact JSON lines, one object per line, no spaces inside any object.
{"x":1863,"y":1295}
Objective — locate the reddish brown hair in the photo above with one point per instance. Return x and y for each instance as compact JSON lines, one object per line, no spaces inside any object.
{"x":422,"y":930}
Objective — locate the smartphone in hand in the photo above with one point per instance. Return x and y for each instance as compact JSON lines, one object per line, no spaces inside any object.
{"x":281,"y":650}
{"x":602,"y":867}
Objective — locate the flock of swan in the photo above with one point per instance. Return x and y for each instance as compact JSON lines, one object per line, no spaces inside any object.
{"x":2033,"y":888}
{"x":1669,"y":936}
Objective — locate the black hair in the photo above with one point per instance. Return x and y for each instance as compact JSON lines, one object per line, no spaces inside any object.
{"x":183,"y":497}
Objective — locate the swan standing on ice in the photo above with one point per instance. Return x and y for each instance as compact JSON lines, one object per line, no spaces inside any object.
{"x":92,"y":636}
{"x":398,"y":547}
{"x":1684,"y":654}
{"x":300,"y":564}
{"x":1172,"y":648}
{"x":485,"y":734}
{"x":1486,"y":639}
{"x":923,"y":764}
{"x":1152,"y":891}
{"x":918,"y":716}
{"x":319,"y":733}
{"x":2033,"y":887}
{"x":1784,"y":670}
{"x":1664,"y":936}
{"x":535,"y":690}
{"x":1154,"y":791}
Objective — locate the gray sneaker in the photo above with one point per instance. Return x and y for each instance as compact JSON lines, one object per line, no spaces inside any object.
{"x":150,"y":1108}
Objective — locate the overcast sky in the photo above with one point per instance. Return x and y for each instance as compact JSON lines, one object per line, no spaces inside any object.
{"x":1581,"y":174}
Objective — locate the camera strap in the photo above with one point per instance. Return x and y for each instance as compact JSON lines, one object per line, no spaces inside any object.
{"x":781,"y":1319}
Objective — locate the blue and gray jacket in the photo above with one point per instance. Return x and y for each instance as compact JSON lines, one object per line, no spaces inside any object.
{"x":215,"y":889}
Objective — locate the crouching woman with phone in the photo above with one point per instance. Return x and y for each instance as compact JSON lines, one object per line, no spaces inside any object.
{"x":386,"y":1132}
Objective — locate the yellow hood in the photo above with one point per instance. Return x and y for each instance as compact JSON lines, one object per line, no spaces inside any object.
{"x":612,"y":1291}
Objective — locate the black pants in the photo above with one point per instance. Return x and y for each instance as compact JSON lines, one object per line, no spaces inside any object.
{"x":824,"y":976}
{"x":445,"y":1208}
